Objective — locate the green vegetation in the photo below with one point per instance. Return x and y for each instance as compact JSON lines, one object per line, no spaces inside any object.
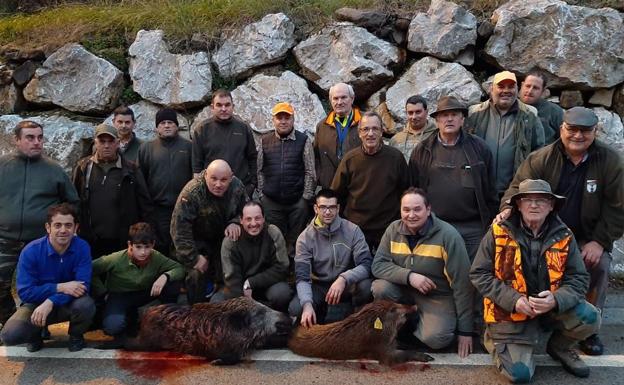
{"x":112,"y":23}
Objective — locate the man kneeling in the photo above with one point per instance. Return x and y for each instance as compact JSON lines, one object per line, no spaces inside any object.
{"x":255,"y":265}
{"x":132,"y":278}
{"x":53,"y":279}
{"x":531,"y":274}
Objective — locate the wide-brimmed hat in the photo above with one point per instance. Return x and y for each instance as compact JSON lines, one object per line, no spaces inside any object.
{"x":449,"y":103}
{"x":536,"y":186}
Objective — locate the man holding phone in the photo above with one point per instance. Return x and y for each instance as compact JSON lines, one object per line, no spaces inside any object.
{"x":531,"y":274}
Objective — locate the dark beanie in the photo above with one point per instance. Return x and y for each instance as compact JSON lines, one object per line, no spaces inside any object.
{"x":166,"y":114}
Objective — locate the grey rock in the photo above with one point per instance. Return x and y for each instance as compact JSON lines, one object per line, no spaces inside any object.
{"x":570,"y":98}
{"x":66,"y":138}
{"x":466,"y":57}
{"x":485,"y":29}
{"x":22,"y":54}
{"x":432,"y":79}
{"x":602,"y":97}
{"x":618,"y":100}
{"x":255,"y":98}
{"x":487,"y":84}
{"x":610,"y":129}
{"x":444,"y":31}
{"x":264,"y":42}
{"x":363,"y":18}
{"x":178,"y":81}
{"x":6,"y":75}
{"x":9,"y":99}
{"x":77,"y":80}
{"x":346,"y":53}
{"x":574,"y":46}
{"x":24,"y":72}
{"x":145,"y":116}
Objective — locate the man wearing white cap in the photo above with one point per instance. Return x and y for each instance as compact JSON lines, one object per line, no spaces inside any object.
{"x":510,"y":128}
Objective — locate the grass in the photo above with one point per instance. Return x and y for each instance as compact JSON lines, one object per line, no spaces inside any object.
{"x":112,"y":24}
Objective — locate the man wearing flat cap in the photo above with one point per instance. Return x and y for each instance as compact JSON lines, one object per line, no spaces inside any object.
{"x":166,"y":165}
{"x":286,"y":175}
{"x":456,"y":169}
{"x":510,"y":128}
{"x":113,"y":194}
{"x":590,"y":175}
{"x":531,"y":274}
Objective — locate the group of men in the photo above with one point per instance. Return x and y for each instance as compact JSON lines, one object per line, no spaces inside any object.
{"x":235,"y":215}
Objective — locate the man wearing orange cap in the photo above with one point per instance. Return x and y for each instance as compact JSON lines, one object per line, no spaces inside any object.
{"x":510,"y":128}
{"x":286,"y":175}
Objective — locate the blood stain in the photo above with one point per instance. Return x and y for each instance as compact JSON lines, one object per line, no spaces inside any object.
{"x":155,"y":365}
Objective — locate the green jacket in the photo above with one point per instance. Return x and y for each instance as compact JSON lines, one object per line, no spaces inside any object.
{"x":602,"y":209}
{"x":440,"y":255}
{"x":28,"y":187}
{"x":115,"y":273}
{"x":551,"y":116}
{"x":406,"y":141}
{"x":529,"y":133}
{"x":262,"y":260}
{"x":575,"y":279}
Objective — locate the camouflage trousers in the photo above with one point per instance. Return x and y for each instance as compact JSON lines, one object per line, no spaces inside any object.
{"x":9,"y":254}
{"x":511,"y":343}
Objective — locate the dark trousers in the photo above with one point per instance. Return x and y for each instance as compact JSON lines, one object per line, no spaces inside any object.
{"x":100,"y":247}
{"x":276,"y":296}
{"x":9,"y":253}
{"x":119,"y":308}
{"x":357,"y":294}
{"x":162,"y":223}
{"x":291,"y":219}
{"x":19,"y":329}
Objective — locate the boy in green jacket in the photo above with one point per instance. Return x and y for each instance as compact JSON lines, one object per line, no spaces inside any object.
{"x":131,"y":278}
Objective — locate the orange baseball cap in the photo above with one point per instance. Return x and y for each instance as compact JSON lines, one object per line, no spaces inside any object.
{"x":283,"y":107}
{"x":505,"y":75}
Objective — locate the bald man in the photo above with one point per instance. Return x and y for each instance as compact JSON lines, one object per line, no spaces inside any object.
{"x":206,"y":212}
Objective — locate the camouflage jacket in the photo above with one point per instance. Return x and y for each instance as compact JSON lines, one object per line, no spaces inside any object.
{"x":200,"y":218}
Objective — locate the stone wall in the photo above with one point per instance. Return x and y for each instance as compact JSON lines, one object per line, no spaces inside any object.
{"x":385,"y":57}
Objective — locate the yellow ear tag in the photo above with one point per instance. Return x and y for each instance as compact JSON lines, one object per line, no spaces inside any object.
{"x":378,"y":325}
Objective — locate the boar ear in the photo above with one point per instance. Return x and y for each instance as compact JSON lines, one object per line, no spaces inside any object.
{"x":239,"y":319}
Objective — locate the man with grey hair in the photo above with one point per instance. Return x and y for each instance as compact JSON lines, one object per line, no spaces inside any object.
{"x":531,"y":91}
{"x":30,"y":184}
{"x":337,"y":134}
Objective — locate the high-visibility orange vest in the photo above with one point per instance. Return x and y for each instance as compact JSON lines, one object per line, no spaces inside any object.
{"x":508,"y":269}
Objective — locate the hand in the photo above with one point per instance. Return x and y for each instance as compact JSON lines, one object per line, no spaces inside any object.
{"x":591,"y":253}
{"x":421,"y":283}
{"x":336,"y":290}
{"x":308,"y":316}
{"x":464,"y":346}
{"x":74,"y":288}
{"x":158,"y":285}
{"x":233,"y":231}
{"x":201,"y":264}
{"x":524,"y":307}
{"x":41,"y":312}
{"x":543,"y":303}
{"x":502,"y":216}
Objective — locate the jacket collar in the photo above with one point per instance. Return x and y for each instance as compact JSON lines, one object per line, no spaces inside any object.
{"x":357,"y":116}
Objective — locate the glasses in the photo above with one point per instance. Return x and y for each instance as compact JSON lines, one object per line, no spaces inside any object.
{"x":324,"y":208}
{"x":576,"y":129}
{"x":538,"y":201}
{"x":369,"y":129}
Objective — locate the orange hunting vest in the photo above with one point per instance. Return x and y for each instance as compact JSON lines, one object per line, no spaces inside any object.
{"x":508,"y":269}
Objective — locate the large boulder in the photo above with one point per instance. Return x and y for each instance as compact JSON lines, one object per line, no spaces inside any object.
{"x":67,"y":139}
{"x":574,"y":46}
{"x":254,"y":100}
{"x":444,"y":31}
{"x":145,"y":117}
{"x":432,"y":79}
{"x":346,"y":53}
{"x":179,"y":81}
{"x":610,"y":128}
{"x":618,"y":100}
{"x":258,"y":44}
{"x":77,"y":80}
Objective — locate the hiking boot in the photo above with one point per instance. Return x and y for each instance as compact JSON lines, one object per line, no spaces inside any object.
{"x":76,"y":343}
{"x":45,"y":333}
{"x":569,"y":359}
{"x":592,"y":346}
{"x":35,"y":346}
